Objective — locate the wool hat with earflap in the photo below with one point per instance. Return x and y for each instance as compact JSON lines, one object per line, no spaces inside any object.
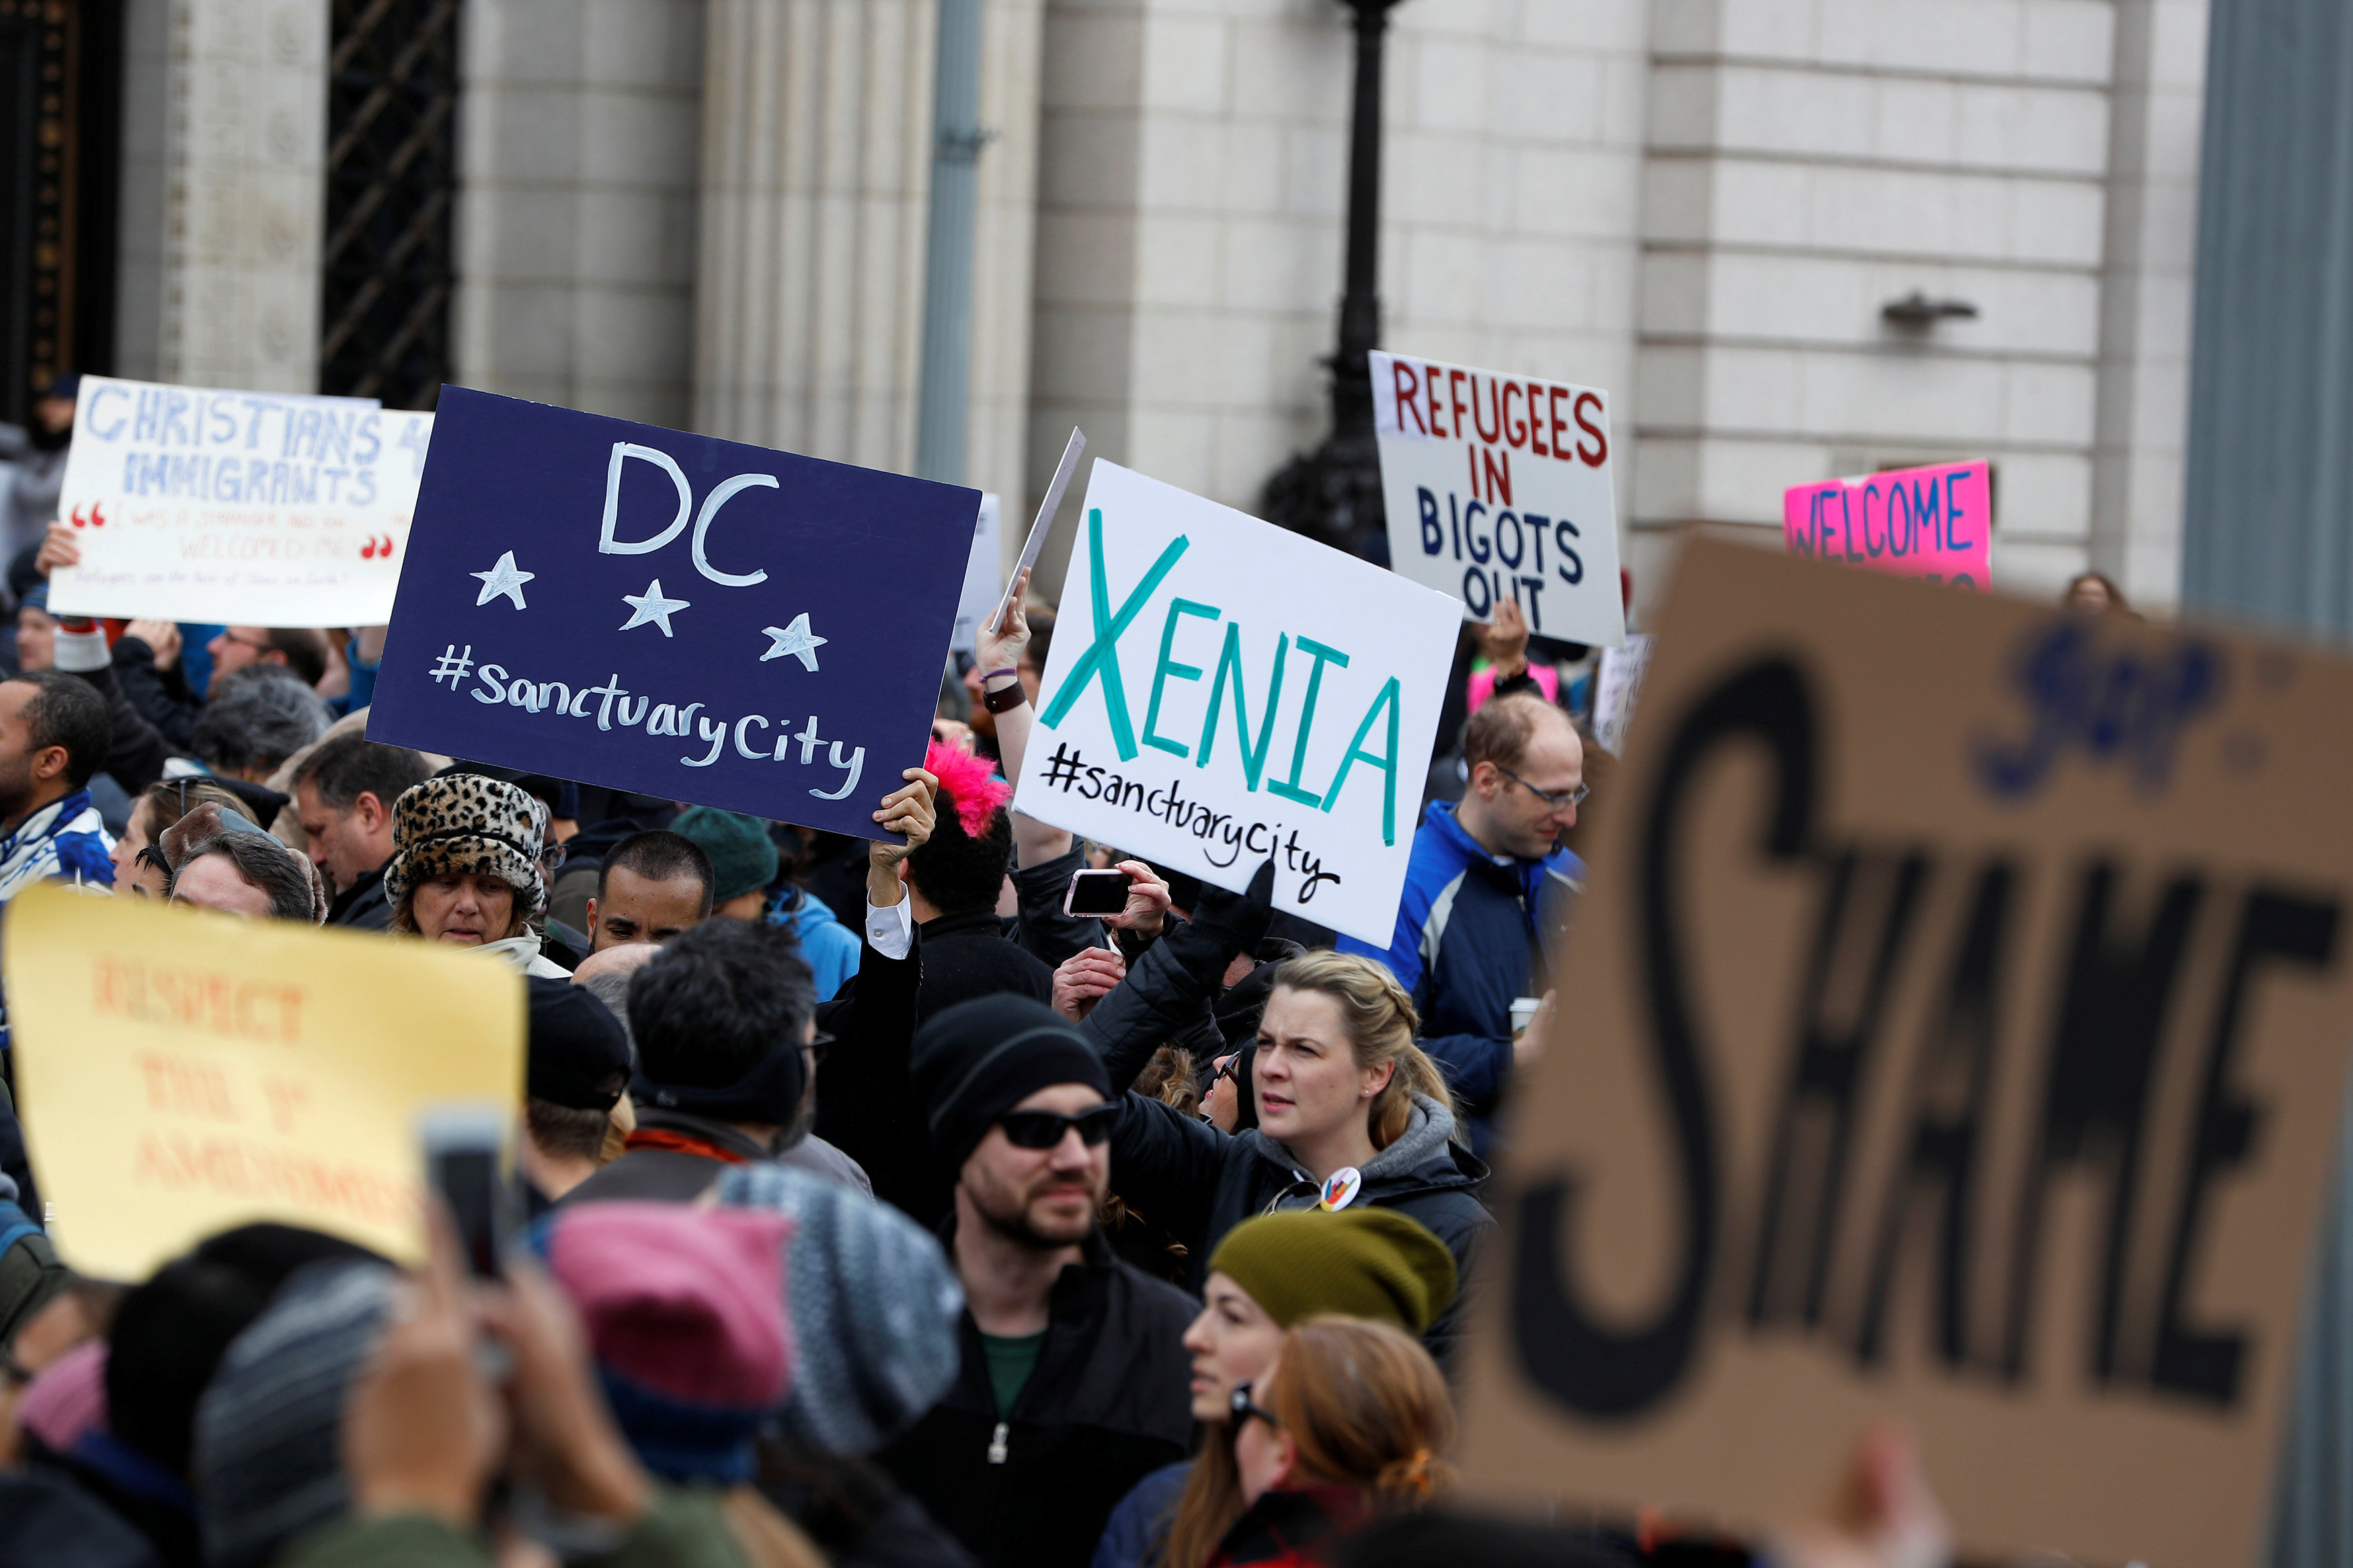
{"x":208,"y":820}
{"x":979,"y":1059}
{"x":743,"y":856}
{"x":1362,"y":1262}
{"x":683,"y":1310}
{"x":464,"y":823}
{"x":269,"y":1428}
{"x":873,"y":1306}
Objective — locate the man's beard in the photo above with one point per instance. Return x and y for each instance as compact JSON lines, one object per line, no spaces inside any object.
{"x":1016,"y":1227}
{"x":45,"y":440}
{"x":15,"y":792}
{"x":802,"y":1119}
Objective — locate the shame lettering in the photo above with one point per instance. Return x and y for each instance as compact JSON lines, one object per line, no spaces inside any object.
{"x":1812,"y":1240}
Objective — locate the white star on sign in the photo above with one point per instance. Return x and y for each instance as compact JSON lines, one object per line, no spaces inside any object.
{"x":650,"y":607}
{"x":503,"y":579}
{"x":797,"y":640}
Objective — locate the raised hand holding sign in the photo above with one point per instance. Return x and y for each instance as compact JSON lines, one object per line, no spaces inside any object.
{"x":780,"y":640}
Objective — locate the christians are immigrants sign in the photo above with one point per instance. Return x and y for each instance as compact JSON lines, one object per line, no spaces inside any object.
{"x":1222,"y":691}
{"x":670,"y":614}
{"x":191,"y":504}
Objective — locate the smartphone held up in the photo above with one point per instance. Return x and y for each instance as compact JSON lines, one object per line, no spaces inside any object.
{"x":1096,"y":893}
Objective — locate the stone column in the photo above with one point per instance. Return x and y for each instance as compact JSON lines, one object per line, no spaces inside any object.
{"x":817,"y":150}
{"x":815,"y":157}
{"x":2150,"y":247}
{"x":224,"y":192}
{"x":579,"y":178}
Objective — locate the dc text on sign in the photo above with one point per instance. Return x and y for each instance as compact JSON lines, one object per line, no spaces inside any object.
{"x":671,"y":614}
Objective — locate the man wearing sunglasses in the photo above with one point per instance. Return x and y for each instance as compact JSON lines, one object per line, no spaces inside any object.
{"x":1075,"y":1382}
{"x":1486,"y":893}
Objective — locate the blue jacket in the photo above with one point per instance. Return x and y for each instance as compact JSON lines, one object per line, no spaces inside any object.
{"x":831,"y":947}
{"x":1467,"y":946}
{"x":1137,"y":1531}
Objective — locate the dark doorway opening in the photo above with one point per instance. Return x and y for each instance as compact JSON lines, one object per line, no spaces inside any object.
{"x":60,"y":159}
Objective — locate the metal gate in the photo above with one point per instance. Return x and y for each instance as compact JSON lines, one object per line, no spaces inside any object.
{"x":392,"y":180}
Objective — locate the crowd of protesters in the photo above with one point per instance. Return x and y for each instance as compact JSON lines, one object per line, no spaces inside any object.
{"x":872,"y":1209}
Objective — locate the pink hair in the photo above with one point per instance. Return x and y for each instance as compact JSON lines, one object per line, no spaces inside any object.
{"x":971,"y":783}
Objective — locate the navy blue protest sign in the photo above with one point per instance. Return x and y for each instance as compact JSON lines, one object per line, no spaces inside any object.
{"x":670,"y":614}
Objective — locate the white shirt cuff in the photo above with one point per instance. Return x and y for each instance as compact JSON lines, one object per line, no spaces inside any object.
{"x":891,"y":932}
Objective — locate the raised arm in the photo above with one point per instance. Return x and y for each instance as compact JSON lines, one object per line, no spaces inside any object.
{"x":998,"y":655}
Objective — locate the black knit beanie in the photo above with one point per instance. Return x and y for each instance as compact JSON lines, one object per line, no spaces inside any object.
{"x":979,"y":1059}
{"x":578,"y":1054}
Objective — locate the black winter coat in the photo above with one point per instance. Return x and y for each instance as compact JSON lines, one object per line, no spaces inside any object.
{"x":1109,"y":1403}
{"x":865,"y":1102}
{"x":162,"y":698}
{"x":1041,"y":926}
{"x":363,"y":906}
{"x":968,"y":954}
{"x":1201,"y":1183}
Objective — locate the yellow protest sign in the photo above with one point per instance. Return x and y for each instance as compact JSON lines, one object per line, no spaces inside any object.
{"x":179,"y":1073}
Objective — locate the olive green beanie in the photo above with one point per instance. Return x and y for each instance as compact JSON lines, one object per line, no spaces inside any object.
{"x":1362,"y":1262}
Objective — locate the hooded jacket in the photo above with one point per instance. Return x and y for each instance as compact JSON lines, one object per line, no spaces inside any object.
{"x":1109,"y":1402}
{"x":1469,"y":942}
{"x":831,"y":947}
{"x":1201,"y":1183}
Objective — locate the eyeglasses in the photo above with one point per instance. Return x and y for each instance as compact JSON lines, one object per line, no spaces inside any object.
{"x":817,"y":1045}
{"x":1556,"y":799}
{"x":1244,"y":1407}
{"x":229,"y":633}
{"x":1044,"y":1129}
{"x":1226,"y":1065}
{"x":553,"y":855}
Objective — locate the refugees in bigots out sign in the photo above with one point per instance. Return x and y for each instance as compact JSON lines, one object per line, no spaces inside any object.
{"x":1497,"y":487}
{"x":1222,"y":691}
{"x":236,"y":508}
{"x":672,"y":613}
{"x":1934,"y":523}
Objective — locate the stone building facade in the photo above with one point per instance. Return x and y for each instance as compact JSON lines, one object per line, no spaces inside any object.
{"x":711,"y":213}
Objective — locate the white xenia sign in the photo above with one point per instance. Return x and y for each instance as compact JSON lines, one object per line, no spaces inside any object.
{"x":243,"y":508}
{"x":1498,"y":488}
{"x":1222,"y":691}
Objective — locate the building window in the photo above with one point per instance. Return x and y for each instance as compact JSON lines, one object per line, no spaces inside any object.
{"x":392,"y":179}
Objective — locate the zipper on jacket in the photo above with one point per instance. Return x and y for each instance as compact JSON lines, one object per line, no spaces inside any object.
{"x":997,"y":1449}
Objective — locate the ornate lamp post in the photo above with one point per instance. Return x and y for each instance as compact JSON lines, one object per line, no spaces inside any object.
{"x":1334,"y":493}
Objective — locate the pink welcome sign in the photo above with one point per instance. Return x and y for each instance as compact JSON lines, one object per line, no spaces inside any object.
{"x":1935,"y":524}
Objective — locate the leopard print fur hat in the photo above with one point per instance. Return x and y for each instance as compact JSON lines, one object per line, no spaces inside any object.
{"x":454,"y":824}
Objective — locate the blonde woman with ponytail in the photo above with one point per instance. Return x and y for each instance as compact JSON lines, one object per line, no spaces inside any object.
{"x":1350,"y":1113}
{"x":1349,"y":1426}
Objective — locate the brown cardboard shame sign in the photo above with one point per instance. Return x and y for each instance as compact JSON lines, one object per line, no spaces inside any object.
{"x":1953,"y":1030}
